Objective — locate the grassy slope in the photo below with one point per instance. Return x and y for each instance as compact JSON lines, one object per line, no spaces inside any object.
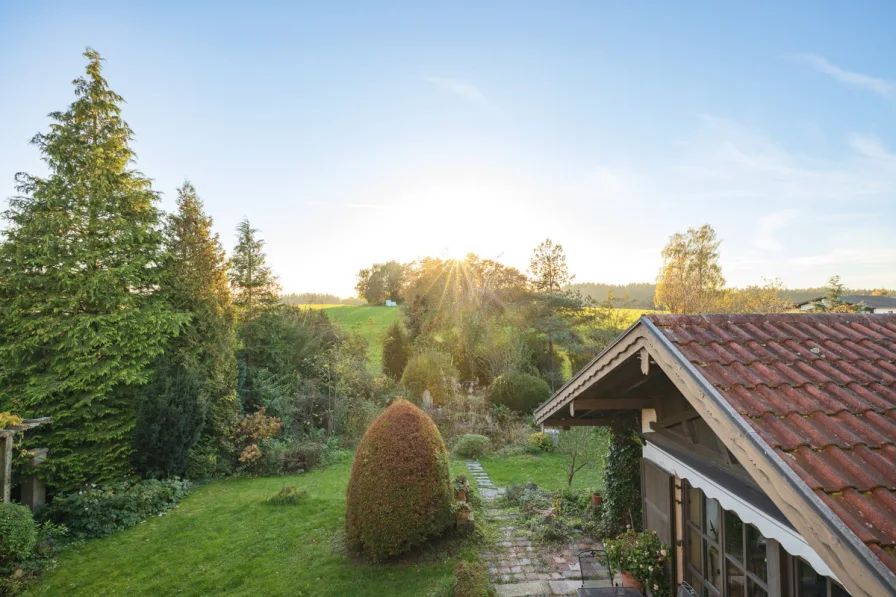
{"x":369,"y":321}
{"x":225,"y":540}
{"x":547,"y":470}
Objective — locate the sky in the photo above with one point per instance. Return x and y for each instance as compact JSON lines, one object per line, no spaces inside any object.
{"x":354,"y":133}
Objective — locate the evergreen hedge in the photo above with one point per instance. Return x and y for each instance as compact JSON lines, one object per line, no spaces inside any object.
{"x":519,"y":392}
{"x":399,"y":494}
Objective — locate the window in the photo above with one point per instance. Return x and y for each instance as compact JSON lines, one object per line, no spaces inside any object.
{"x":725,"y":556}
{"x":810,"y":583}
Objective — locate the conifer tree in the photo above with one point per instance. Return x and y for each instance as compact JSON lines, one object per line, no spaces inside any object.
{"x":195,"y":384}
{"x":80,"y":318}
{"x":254,"y":285}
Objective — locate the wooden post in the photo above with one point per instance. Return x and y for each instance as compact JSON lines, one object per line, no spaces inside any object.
{"x":34,"y":490}
{"x":680,"y":527}
{"x":6,"y":466}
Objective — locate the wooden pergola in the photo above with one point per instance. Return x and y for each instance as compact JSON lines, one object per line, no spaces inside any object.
{"x":6,"y":437}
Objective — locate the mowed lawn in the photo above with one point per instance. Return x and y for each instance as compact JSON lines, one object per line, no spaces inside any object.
{"x":547,"y":470}
{"x":224,"y":539}
{"x":368,"y":321}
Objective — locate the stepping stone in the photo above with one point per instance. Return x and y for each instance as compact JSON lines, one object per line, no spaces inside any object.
{"x":524,"y":589}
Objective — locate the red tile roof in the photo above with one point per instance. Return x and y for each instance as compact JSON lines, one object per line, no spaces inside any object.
{"x":820,"y":389}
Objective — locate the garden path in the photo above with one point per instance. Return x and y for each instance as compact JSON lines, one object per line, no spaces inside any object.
{"x":518,"y":567}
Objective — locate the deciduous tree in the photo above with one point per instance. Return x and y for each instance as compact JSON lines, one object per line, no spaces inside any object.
{"x":691,"y":278}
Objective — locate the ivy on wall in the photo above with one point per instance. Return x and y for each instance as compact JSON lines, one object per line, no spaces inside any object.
{"x":622,"y":477}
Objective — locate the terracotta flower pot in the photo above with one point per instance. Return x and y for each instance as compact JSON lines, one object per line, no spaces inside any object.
{"x":460,"y":495}
{"x":597,"y":499}
{"x":628,"y":580}
{"x":464,"y":514}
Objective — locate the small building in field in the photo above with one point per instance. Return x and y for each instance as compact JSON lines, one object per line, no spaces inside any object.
{"x":769,"y":459}
{"x":870,"y":303}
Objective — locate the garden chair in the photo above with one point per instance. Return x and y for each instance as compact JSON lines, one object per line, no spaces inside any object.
{"x":590,"y":563}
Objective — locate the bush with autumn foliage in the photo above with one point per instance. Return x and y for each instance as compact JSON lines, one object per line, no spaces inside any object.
{"x":399,"y":494}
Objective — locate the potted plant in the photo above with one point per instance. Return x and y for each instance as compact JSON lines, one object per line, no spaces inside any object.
{"x":640,"y":559}
{"x":463,"y":511}
{"x":596,"y":498}
{"x":461,"y":488}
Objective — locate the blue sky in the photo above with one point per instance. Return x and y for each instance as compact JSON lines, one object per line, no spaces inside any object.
{"x":353,"y":133}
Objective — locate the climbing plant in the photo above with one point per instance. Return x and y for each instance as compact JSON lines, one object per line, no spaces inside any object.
{"x":622,"y":478}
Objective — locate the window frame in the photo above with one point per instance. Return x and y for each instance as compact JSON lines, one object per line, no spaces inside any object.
{"x":725,"y":558}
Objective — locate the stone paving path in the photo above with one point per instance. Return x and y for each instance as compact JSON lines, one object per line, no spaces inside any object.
{"x":516,"y":566}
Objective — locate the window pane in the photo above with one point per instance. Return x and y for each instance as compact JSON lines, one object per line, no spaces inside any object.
{"x":756,"y":552}
{"x":837,"y":590}
{"x":712,"y":519}
{"x":734,"y":536}
{"x":698,"y":586}
{"x":694,"y":505}
{"x":755,"y":590}
{"x":694,"y":544}
{"x":736,"y":580}
{"x":809,"y":582}
{"x":713,"y":573}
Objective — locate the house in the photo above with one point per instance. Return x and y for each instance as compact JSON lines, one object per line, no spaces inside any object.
{"x":872,"y":303}
{"x":769,"y":458}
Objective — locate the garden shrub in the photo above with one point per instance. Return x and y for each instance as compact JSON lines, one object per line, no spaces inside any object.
{"x":430,"y":369}
{"x":399,"y":494}
{"x":396,"y":350}
{"x":472,"y":445}
{"x":519,"y":392}
{"x":471,"y":580}
{"x":290,"y":495}
{"x":100,"y":511}
{"x":541,"y":441}
{"x":7,"y":419}
{"x":18,"y":534}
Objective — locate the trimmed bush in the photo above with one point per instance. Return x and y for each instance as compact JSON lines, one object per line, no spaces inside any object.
{"x":430,"y":369}
{"x":396,"y":350}
{"x":290,"y":495}
{"x":472,"y":445}
{"x":471,"y":580}
{"x":18,"y":533}
{"x":541,"y":441}
{"x":519,"y":392}
{"x":399,"y":494}
{"x":99,"y":511}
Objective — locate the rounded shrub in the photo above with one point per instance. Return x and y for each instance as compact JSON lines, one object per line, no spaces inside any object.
{"x":430,"y":369}
{"x":472,"y":445}
{"x":471,"y":580}
{"x":18,"y":533}
{"x":399,"y":494}
{"x":519,"y":392}
{"x":541,"y":441}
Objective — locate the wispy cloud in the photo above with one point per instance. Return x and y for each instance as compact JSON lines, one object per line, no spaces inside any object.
{"x":467,"y":91}
{"x":820,"y":64}
{"x":769,"y":225}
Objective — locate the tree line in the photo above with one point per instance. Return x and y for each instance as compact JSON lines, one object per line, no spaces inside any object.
{"x":151,"y":350}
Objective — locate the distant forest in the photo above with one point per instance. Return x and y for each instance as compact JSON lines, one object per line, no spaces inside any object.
{"x":640,"y":294}
{"x":318,"y":298}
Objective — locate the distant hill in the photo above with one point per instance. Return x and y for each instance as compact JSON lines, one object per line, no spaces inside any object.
{"x":318,"y":298}
{"x":641,"y":293}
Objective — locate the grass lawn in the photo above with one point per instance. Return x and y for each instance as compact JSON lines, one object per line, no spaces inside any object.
{"x":547,"y":470}
{"x":225,"y":540}
{"x":369,"y":321}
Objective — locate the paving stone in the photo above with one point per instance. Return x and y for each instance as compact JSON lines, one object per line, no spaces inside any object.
{"x":524,"y":589}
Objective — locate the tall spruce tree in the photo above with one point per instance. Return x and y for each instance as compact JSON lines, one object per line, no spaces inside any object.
{"x":81,"y":321}
{"x":195,"y":381}
{"x":254,"y":285}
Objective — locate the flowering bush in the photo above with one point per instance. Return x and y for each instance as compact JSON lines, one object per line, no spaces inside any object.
{"x":643,"y":556}
{"x":250,"y":431}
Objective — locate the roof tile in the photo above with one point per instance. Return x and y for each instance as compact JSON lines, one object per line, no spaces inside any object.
{"x":821,"y":390}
